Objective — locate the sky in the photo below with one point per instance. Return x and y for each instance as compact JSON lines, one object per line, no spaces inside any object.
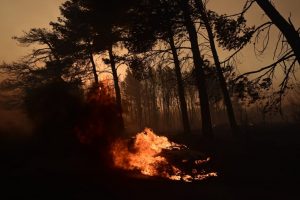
{"x":255,"y":16}
{"x":17,"y":16}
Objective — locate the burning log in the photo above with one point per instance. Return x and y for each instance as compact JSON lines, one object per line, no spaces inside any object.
{"x":154,"y":155}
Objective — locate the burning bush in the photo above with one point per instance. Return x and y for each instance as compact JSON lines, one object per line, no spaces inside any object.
{"x":100,"y":120}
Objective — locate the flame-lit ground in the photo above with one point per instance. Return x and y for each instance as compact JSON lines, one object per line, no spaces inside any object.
{"x":265,"y":166}
{"x":151,"y":155}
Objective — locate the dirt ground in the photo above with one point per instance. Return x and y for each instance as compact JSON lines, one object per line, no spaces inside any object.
{"x":261,"y":164}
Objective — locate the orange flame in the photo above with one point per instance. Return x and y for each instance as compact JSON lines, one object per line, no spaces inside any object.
{"x":144,"y":155}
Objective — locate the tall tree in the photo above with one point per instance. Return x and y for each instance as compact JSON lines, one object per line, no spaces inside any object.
{"x":104,"y":22}
{"x":51,"y":52}
{"x":159,"y":18}
{"x":180,"y":85}
{"x":133,"y":94}
{"x":75,"y":29}
{"x":287,"y":28}
{"x":198,"y":64}
{"x":286,"y":52}
{"x":223,"y":84}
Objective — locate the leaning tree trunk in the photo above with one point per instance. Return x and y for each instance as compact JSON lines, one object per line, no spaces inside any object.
{"x":226,"y":96}
{"x":287,"y":29}
{"x":200,"y":75}
{"x":116,"y":86}
{"x":94,"y":69}
{"x":180,"y":87}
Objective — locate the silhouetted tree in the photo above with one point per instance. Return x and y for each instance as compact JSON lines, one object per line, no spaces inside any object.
{"x":155,"y":21}
{"x":287,"y":28}
{"x":77,"y":35}
{"x":223,"y":84}
{"x":133,"y":98}
{"x":198,"y":64}
{"x":55,"y":52}
{"x":54,"y":107}
{"x":51,"y":103}
{"x":104,"y":21}
{"x":285,"y":52}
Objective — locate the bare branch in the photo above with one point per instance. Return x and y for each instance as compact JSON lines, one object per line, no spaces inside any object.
{"x":246,"y":7}
{"x":273,"y":65}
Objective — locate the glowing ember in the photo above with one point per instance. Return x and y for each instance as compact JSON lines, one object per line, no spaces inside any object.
{"x":145,"y":154}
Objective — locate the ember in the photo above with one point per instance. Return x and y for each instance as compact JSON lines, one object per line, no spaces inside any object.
{"x":145,"y":153}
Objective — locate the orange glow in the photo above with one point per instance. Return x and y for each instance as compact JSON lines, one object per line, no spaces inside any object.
{"x":100,"y":115}
{"x":145,"y":155}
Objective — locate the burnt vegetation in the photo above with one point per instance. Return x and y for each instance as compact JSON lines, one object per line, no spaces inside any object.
{"x":106,"y":70}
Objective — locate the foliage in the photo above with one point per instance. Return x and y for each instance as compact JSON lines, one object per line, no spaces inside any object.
{"x":231,"y":33}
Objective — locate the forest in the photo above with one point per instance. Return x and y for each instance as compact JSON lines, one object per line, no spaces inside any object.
{"x":121,"y":98}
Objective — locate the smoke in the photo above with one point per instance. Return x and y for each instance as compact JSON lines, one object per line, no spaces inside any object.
{"x":14,"y":123}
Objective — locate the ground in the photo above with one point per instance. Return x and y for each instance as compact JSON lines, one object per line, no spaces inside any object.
{"x":261,"y":164}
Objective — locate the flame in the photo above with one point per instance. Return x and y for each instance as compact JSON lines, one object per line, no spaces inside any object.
{"x":144,"y":154}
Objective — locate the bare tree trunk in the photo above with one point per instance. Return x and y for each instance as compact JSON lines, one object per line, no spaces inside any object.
{"x":226,"y":96}
{"x":287,"y":29}
{"x":94,"y":69}
{"x":180,"y":87}
{"x":154,"y":114}
{"x":200,"y":75}
{"x":147,"y":103}
{"x":116,"y":86}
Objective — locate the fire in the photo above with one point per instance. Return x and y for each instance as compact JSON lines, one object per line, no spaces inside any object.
{"x":145,"y":154}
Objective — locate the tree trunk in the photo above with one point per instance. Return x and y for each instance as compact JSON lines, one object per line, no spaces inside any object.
{"x":139,"y":118}
{"x":200,"y":75}
{"x":154,"y":102}
{"x":287,"y":29}
{"x":180,"y":87}
{"x":116,"y":86}
{"x":94,"y":69}
{"x":223,"y":85}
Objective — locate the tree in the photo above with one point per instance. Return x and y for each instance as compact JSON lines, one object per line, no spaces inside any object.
{"x":55,"y":52}
{"x":287,"y":28}
{"x":133,"y":96}
{"x":77,"y":32}
{"x":183,"y":105}
{"x":52,"y":103}
{"x":223,"y":84}
{"x":159,"y":19}
{"x":104,"y":21}
{"x":198,"y":64}
{"x":286,"y":52}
